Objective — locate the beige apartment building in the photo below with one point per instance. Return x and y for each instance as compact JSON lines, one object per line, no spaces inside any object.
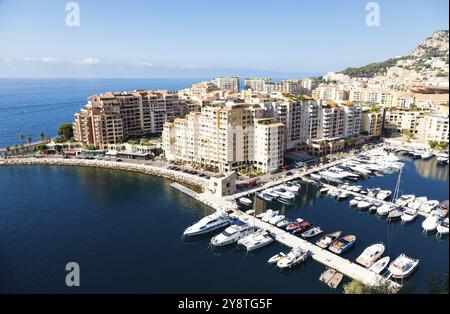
{"x":228,"y":137}
{"x":230,"y":84}
{"x":372,"y":123}
{"x":435,"y":127}
{"x":397,"y":120}
{"x":330,"y":92}
{"x":113,"y":117}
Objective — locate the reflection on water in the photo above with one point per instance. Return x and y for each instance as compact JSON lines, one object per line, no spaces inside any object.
{"x":429,"y":168}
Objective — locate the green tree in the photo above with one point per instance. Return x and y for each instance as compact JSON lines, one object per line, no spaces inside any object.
{"x":42,"y":136}
{"x":66,"y":130}
{"x":29,"y":140}
{"x":42,"y":147}
{"x":21,"y":137}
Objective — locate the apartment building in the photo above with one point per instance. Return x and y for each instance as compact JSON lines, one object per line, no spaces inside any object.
{"x":397,"y":120}
{"x":230,"y":84}
{"x":330,"y":92}
{"x":332,"y":122}
{"x":112,"y":117}
{"x":435,"y":127}
{"x":294,"y":116}
{"x":383,"y":97}
{"x":267,"y":86}
{"x":256,"y":84}
{"x":227,"y":137}
{"x":372,"y":122}
{"x":352,"y":119}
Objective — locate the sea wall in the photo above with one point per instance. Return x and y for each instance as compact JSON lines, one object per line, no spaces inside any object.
{"x":124,"y":166}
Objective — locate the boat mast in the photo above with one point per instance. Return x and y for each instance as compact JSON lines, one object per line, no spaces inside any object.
{"x":397,"y":187}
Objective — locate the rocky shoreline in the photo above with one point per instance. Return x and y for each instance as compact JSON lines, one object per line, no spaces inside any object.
{"x":124,"y":166}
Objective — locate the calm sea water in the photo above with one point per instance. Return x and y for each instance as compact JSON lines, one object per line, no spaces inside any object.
{"x":125,"y":232}
{"x":31,"y":106}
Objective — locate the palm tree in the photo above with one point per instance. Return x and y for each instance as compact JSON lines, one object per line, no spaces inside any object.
{"x":29,"y":140}
{"x":21,"y":137}
{"x":42,"y":136}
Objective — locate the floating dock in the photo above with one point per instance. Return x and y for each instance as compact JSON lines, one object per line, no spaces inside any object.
{"x":184,"y":189}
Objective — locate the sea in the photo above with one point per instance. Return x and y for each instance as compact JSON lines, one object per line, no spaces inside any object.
{"x":124,"y":230}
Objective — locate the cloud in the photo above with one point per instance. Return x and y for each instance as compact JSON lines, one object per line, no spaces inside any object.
{"x":87,"y":61}
{"x":45,"y":60}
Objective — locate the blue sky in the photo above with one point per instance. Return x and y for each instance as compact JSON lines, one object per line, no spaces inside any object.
{"x":198,"y":38}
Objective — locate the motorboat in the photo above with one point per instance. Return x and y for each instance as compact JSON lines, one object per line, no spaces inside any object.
{"x":364,"y":204}
{"x":274,"y":259}
{"x":373,"y":192}
{"x":386,"y":209}
{"x":431,"y":222}
{"x":373,"y":208}
{"x":283,"y":193}
{"x":283,"y":224}
{"x":342,"y":244}
{"x":442,"y":160}
{"x":343,"y":195}
{"x":332,"y":176}
{"x":371,"y":254}
{"x":256,"y":240}
{"x":442,"y":228}
{"x":245,"y":201}
{"x":418,"y":202}
{"x":404,"y":200}
{"x":313,"y":232}
{"x":326,"y":240}
{"x":268,"y":212}
{"x":232,"y":234}
{"x":271,"y":193}
{"x":380,"y":265}
{"x":409,"y":215}
{"x":403,"y":266}
{"x":276,"y":219}
{"x":384,"y":194}
{"x":302,"y":226}
{"x":396,"y":213}
{"x":334,"y":192}
{"x":324,"y":190}
{"x":355,"y":201}
{"x":265,"y":196}
{"x":293,"y":258}
{"x":361,"y":170}
{"x":294,"y":224}
{"x":429,"y":206}
{"x":269,"y":215}
{"x":209,"y":223}
{"x":291,"y":187}
{"x":443,"y":208}
{"x":315,"y":176}
{"x":427,"y":155}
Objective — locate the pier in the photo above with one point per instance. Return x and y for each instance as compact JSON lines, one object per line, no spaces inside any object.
{"x":323,"y":256}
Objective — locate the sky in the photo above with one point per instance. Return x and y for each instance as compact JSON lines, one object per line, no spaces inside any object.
{"x":202,"y":38}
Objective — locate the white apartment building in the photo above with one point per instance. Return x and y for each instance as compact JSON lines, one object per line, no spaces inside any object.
{"x":435,"y":127}
{"x":230,"y":84}
{"x":256,"y":84}
{"x":330,"y":92}
{"x":294,"y":116}
{"x":352,"y":119}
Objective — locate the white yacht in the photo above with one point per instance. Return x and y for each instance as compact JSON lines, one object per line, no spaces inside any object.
{"x":431,"y":222}
{"x":284,"y":223}
{"x":271,"y":193}
{"x":268,"y":215}
{"x":371,"y":254}
{"x":245,"y":201}
{"x":232,"y":234}
{"x":427,"y":154}
{"x":355,"y":201}
{"x":373,"y":192}
{"x":293,"y":188}
{"x":315,"y":176}
{"x":403,"y":266}
{"x":409,"y":215}
{"x":385,"y":209}
{"x":418,"y":202}
{"x":313,"y":232}
{"x":364,"y":204}
{"x":265,"y":196}
{"x":442,"y":228}
{"x":383,"y":194}
{"x":343,"y":195}
{"x":293,"y":258}
{"x":332,"y":176}
{"x":274,"y":259}
{"x":256,"y":240}
{"x":361,"y":170}
{"x":380,"y":265}
{"x":429,"y":206}
{"x":404,"y":200}
{"x":283,"y":193}
{"x":324,"y":190}
{"x":208,"y":224}
{"x":276,"y":219}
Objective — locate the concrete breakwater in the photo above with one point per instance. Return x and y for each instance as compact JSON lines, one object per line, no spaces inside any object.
{"x":102,"y":164}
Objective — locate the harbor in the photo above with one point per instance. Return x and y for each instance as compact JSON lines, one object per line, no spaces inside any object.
{"x":336,"y":266}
